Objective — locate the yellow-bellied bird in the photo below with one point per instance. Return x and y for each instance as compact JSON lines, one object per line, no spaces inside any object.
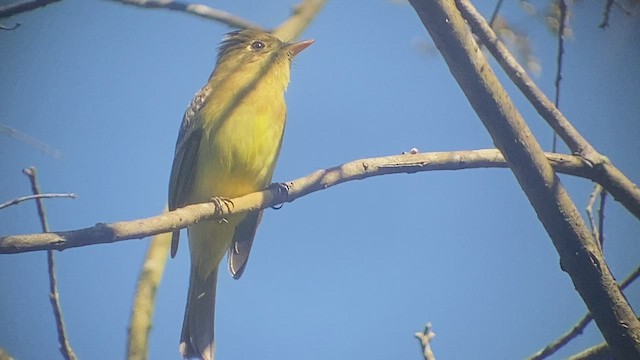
{"x":228,"y":145}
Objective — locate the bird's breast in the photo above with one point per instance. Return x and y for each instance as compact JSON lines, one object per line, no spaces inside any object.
{"x":238,"y":151}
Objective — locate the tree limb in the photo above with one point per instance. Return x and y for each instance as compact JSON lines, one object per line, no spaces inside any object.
{"x":579,"y":255}
{"x":356,"y":170}
{"x":144,"y":298}
{"x":616,"y":183}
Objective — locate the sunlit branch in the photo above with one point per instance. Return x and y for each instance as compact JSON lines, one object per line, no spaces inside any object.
{"x":144,"y":298}
{"x":579,"y":256}
{"x":425,"y":338}
{"x":356,"y":170}
{"x":613,"y":180}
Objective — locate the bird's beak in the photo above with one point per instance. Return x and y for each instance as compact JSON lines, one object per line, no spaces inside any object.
{"x":296,"y":47}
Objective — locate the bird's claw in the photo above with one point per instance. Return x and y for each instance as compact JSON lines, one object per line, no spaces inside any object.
{"x":219,"y":202}
{"x":283,"y":191}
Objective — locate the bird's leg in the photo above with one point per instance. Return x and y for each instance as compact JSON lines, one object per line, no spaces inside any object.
{"x":219,"y":202}
{"x":283,"y":192}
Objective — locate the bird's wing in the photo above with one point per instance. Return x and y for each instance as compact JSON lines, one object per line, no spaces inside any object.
{"x":241,"y":243}
{"x":186,"y":157}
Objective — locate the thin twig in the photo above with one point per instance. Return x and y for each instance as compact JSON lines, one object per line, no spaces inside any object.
{"x":200,"y":10}
{"x":610,"y":177}
{"x":559,"y":57}
{"x":580,"y":325}
{"x":319,"y":180}
{"x":630,"y":278}
{"x":23,"y":6}
{"x":605,"y":16}
{"x":496,"y":10}
{"x":31,"y":141}
{"x":425,"y":338}
{"x":570,"y":235}
{"x":576,"y":330}
{"x":65,"y":346}
{"x":603,"y":198}
{"x":37,"y":196}
{"x":492,"y":20}
{"x":589,"y":209}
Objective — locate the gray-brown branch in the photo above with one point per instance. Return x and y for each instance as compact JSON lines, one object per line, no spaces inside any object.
{"x":579,"y":255}
{"x":356,"y":170}
{"x":617,"y":184}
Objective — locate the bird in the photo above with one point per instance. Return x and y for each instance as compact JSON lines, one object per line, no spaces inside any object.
{"x":228,"y":145}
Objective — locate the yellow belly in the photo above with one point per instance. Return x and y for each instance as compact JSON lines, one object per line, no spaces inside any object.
{"x":236,"y":157}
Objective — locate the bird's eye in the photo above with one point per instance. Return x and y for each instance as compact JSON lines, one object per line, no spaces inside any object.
{"x":257,"y":45}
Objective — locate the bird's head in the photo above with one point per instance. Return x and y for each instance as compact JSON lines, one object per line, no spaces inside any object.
{"x":253,"y":52}
{"x":249,"y":46}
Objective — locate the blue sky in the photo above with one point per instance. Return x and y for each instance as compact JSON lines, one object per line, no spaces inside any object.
{"x":350,"y":272}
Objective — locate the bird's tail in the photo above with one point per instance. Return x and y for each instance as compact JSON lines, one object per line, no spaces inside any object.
{"x":196,"y":340}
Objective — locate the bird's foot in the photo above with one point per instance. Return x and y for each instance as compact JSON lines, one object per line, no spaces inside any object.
{"x":283,"y":192}
{"x":219,"y":202}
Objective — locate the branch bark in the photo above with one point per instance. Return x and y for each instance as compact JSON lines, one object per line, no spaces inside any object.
{"x":144,"y":298}
{"x":425,"y":338}
{"x":356,"y":170}
{"x":616,"y":183}
{"x":579,"y":255}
